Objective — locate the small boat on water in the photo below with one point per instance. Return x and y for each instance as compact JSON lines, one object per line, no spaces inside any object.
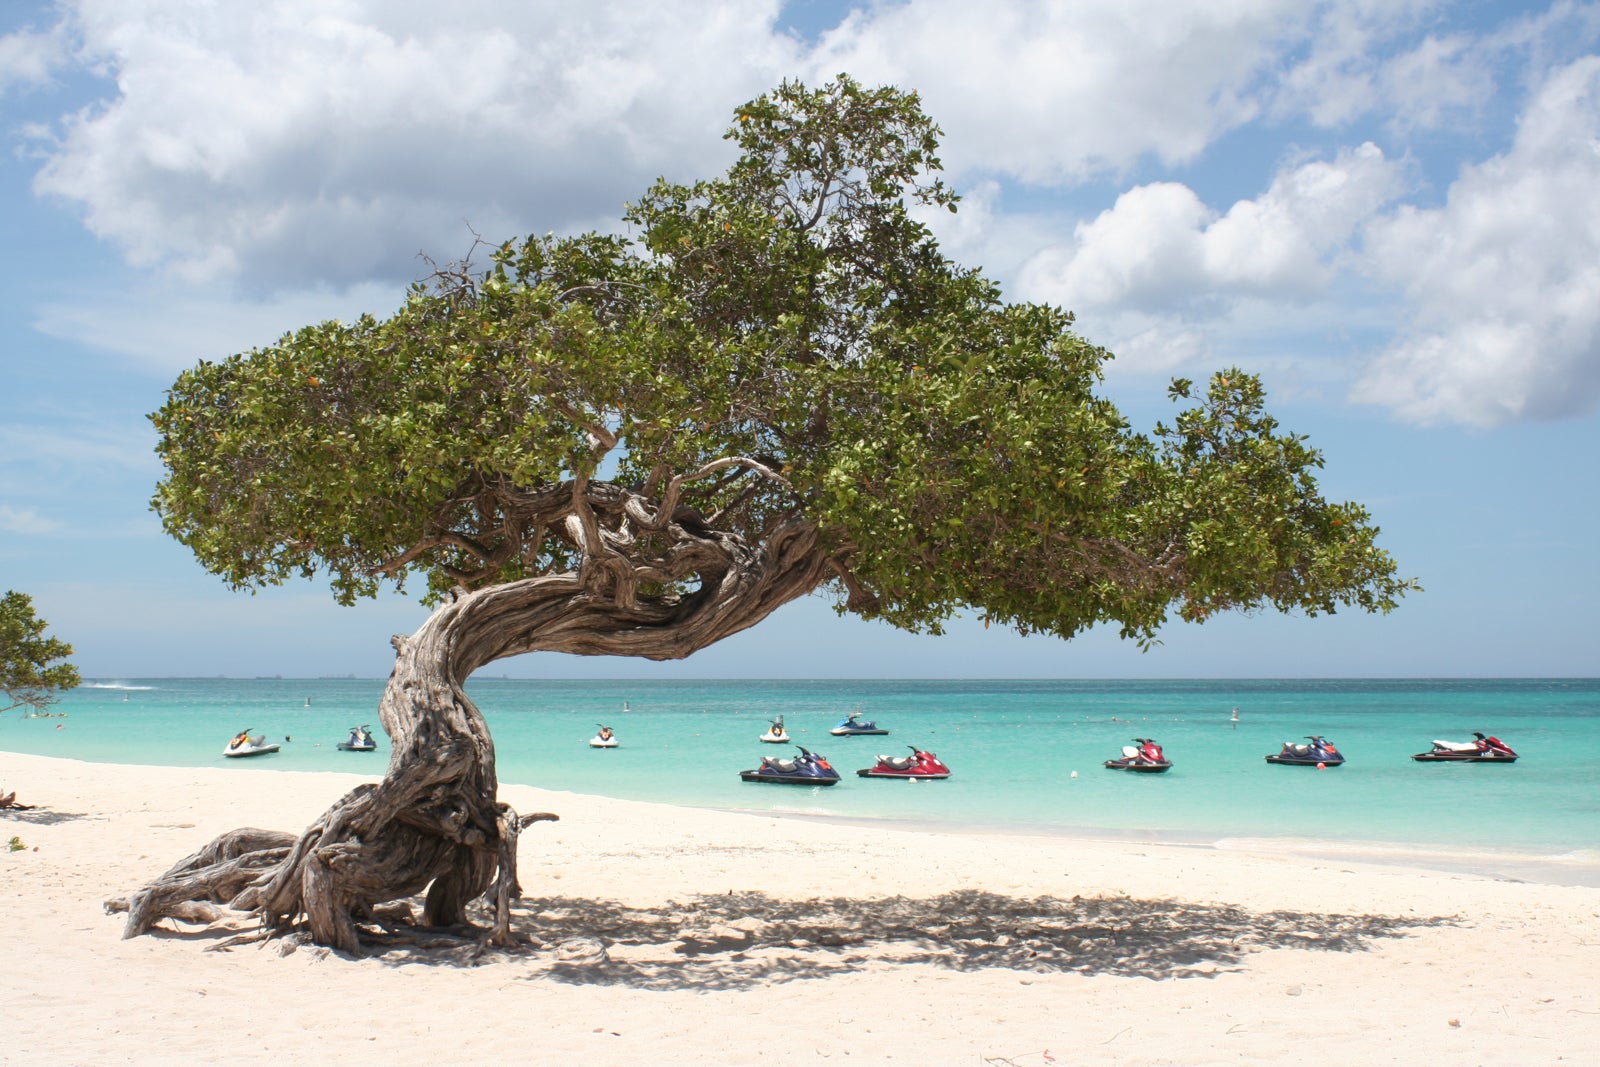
{"x":1144,"y":756}
{"x":360,"y":740}
{"x":1486,"y":749}
{"x":808,"y":768}
{"x":604,"y":739}
{"x":1318,"y":751}
{"x":776,"y":734}
{"x":852,"y":726}
{"x":244,"y":745}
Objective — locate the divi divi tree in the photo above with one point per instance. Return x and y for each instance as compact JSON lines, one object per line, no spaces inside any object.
{"x":771,"y":384}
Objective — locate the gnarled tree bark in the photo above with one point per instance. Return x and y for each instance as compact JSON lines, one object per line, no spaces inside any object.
{"x":434,"y":824}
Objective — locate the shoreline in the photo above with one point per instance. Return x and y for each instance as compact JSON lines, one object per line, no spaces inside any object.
{"x":1576,"y":869}
{"x":1580,"y":868}
{"x":651,"y":923}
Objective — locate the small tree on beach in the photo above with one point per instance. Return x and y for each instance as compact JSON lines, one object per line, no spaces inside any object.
{"x":32,"y":666}
{"x":33,"y":670}
{"x":774,"y":384}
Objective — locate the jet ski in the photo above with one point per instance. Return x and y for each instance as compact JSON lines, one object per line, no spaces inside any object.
{"x":1485,"y":749}
{"x":1318,"y":750}
{"x":808,"y":768}
{"x":852,"y":726}
{"x":360,"y":740}
{"x":604,"y":739}
{"x":918,"y":765}
{"x":244,"y":745}
{"x":1144,"y":756}
{"x":776,"y":734}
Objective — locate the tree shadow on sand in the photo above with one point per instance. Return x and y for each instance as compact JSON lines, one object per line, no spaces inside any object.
{"x":36,"y":816}
{"x":743,"y":940}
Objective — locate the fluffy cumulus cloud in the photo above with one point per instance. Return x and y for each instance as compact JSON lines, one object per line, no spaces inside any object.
{"x":1503,"y":279}
{"x":1049,"y":92}
{"x":283,"y":140}
{"x":1351,"y":65}
{"x":300,"y":153}
{"x":1160,"y":260}
{"x":1052,"y":92}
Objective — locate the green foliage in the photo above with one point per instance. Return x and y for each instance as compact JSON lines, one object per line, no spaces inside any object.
{"x":15,"y":845}
{"x":783,"y":342}
{"x":29,"y":673}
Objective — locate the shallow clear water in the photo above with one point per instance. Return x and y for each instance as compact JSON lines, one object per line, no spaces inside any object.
{"x":1013,"y":747}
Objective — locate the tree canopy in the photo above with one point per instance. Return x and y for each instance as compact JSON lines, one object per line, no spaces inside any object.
{"x":30,"y":674}
{"x":780,"y":349}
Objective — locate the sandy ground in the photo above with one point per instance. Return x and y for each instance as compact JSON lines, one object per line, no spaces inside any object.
{"x":675,"y":936}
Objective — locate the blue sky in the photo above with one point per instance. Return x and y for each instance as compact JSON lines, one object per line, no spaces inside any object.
{"x":1390,"y":209}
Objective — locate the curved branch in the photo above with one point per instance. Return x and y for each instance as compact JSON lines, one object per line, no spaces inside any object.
{"x":601,"y":437}
{"x":669,"y":500}
{"x":858,"y":598}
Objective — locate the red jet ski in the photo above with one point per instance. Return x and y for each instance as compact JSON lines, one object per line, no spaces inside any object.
{"x":1486,"y":749}
{"x":917,"y":765}
{"x":1147,"y":757}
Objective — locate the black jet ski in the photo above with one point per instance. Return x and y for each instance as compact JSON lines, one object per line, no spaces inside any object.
{"x":1318,"y":751}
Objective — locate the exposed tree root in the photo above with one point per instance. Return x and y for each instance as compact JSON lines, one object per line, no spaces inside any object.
{"x":434,"y":825}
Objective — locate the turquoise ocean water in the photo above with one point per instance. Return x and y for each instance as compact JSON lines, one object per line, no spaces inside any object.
{"x":1012,"y":745}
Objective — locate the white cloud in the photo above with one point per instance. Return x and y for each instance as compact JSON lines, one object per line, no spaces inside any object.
{"x":1147,"y":250}
{"x":166,"y":327}
{"x":67,"y":444}
{"x":1340,"y":76}
{"x":25,"y":521}
{"x":288,"y":140}
{"x":1056,"y":92}
{"x":299,"y":139}
{"x":1504,"y":278}
{"x":1160,"y":261}
{"x":29,"y":58}
{"x":1441,"y":77}
{"x":302,"y":152}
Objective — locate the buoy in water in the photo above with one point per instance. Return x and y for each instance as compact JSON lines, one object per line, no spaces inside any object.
{"x":1322,"y":766}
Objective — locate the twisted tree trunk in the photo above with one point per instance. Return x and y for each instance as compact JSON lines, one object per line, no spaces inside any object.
{"x":435,"y":824}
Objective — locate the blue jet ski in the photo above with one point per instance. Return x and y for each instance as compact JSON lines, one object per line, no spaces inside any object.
{"x":852,"y":726}
{"x":808,"y":768}
{"x":1318,"y":749}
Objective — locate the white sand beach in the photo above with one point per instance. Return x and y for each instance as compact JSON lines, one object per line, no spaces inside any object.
{"x":676,"y":936}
